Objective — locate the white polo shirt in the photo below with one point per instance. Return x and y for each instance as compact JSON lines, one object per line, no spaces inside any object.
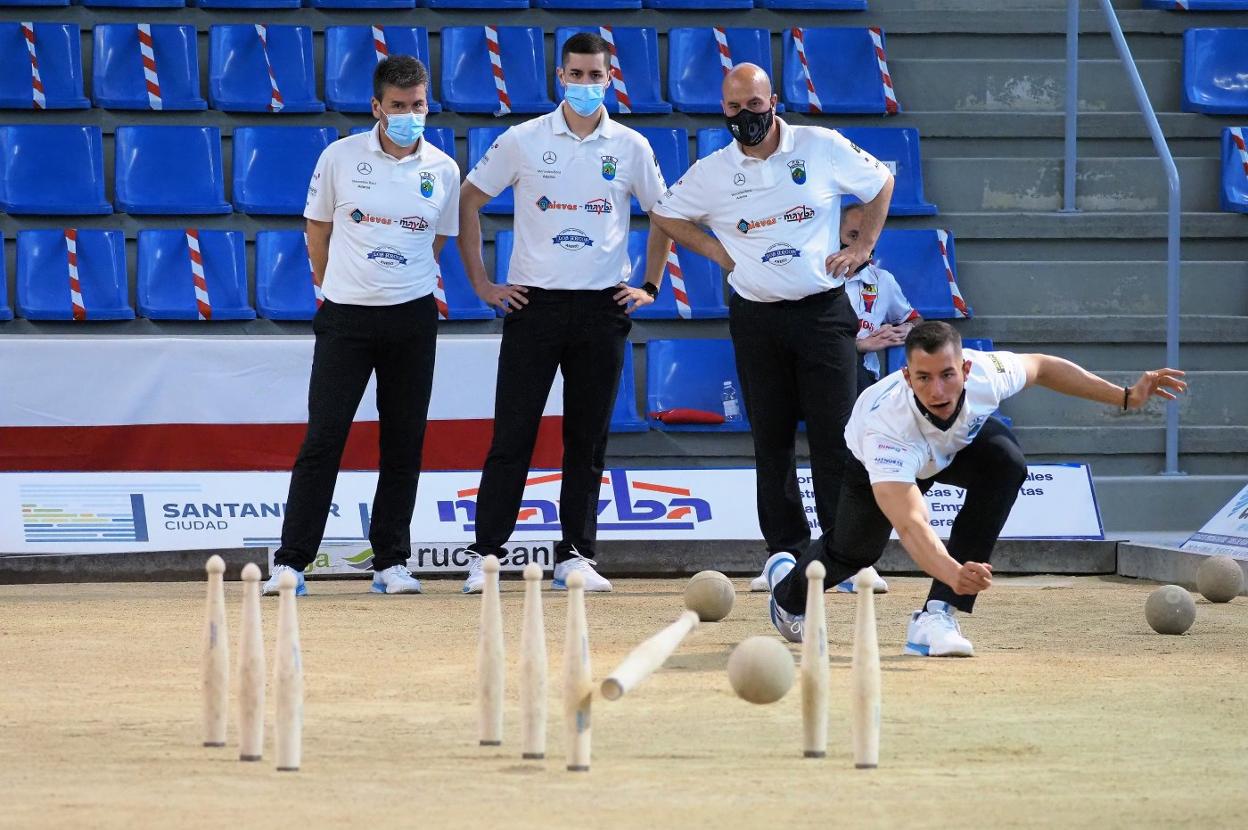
{"x":386,"y":212}
{"x":572,"y":198}
{"x":779,"y":217}
{"x":892,"y":439}
{"x":877,"y":299}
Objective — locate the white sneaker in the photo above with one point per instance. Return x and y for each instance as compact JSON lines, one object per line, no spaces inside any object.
{"x":790,"y":626}
{"x":395,"y":580}
{"x":270,"y":584}
{"x":593,"y":580}
{"x":475,"y":583}
{"x":935,"y":633}
{"x":759,"y":583}
{"x":847,"y":587}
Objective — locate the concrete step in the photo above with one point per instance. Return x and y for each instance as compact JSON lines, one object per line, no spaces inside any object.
{"x":1178,"y":504}
{"x":1212,"y":399}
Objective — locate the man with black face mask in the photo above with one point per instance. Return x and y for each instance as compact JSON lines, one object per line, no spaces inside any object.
{"x":773,"y":200}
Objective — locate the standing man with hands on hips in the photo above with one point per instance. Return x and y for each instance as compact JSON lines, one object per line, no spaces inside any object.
{"x":380,"y":207}
{"x":773,"y":200}
{"x":567,"y":300}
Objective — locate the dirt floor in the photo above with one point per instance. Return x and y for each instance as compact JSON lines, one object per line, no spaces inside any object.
{"x":1072,"y":714}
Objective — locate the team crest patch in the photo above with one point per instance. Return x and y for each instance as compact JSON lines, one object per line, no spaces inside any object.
{"x":797,"y":169}
{"x":426,"y":184}
{"x":869,"y":294}
{"x":609,"y":166}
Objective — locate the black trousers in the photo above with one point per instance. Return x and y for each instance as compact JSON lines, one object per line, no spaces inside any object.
{"x":582,"y":333}
{"x":398,"y":342}
{"x":991,"y":469}
{"x":796,"y":360}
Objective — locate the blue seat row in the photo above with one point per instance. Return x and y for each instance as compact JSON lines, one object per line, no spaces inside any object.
{"x":1234,"y":191}
{"x":1215,"y":71}
{"x":825,"y":5}
{"x":254,"y":68}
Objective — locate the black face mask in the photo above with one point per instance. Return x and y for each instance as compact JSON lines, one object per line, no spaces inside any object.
{"x":749,"y":127}
{"x":865,"y":264}
{"x":941,"y":424}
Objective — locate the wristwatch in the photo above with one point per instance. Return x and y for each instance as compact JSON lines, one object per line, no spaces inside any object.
{"x":651,"y":289}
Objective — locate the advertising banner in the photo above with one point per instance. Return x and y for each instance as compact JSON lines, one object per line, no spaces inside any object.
{"x":1227,"y":532}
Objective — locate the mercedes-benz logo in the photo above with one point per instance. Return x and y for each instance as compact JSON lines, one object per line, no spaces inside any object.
{"x":549,"y":157}
{"x":738,"y":179}
{"x":364,"y":168}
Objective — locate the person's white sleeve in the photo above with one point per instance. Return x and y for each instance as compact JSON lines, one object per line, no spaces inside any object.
{"x":320,"y":204}
{"x":499,"y":168}
{"x":854,"y":170}
{"x":448,"y":220}
{"x":1007,"y":373}
{"x":888,"y":459}
{"x":648,"y":186}
{"x":899,"y":309}
{"x":687,"y":198}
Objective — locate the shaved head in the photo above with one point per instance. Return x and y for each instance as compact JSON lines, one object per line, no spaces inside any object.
{"x":746,"y":82}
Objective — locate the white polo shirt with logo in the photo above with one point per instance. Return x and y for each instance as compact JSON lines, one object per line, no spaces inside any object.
{"x":779,"y":218}
{"x":895,"y":442}
{"x":877,"y":299}
{"x":386,"y":212}
{"x":571,"y":199}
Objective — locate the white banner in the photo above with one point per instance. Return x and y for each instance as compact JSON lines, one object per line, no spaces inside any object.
{"x":1227,"y":532}
{"x":102,"y":512}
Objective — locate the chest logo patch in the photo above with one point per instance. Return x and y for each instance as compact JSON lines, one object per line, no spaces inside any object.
{"x":799,"y":214}
{"x":781,"y":253}
{"x":610,"y":164}
{"x":797,"y":169}
{"x":869,"y":294}
{"x":426,"y":184}
{"x":572,"y":239}
{"x":598,"y":206}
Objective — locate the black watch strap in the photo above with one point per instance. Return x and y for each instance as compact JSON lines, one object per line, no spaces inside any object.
{"x":650,"y":288}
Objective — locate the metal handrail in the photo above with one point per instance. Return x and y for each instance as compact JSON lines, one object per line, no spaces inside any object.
{"x":1173,"y":238}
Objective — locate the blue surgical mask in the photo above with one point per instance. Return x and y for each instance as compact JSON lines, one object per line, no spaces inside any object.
{"x":584,"y":98}
{"x":405,"y":128}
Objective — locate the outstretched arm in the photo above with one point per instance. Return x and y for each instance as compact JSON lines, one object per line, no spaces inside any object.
{"x":904,"y":507}
{"x":690,"y":236}
{"x":1061,"y":375}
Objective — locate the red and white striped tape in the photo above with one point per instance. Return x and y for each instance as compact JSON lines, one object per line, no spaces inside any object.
{"x":617,"y":74}
{"x":1237,"y":138}
{"x":148,"y":50}
{"x":890,"y":95}
{"x":942,"y":240}
{"x":275,"y":97}
{"x":1182,"y":4}
{"x":75,"y":287}
{"x":202,"y":304}
{"x":316,"y":289}
{"x":496,"y":64}
{"x":439,"y":297}
{"x":725,"y":56}
{"x":39,"y":101}
{"x":799,"y":41}
{"x":677,"y":277}
{"x":379,"y":44}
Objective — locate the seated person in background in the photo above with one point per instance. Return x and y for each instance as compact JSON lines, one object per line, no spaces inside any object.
{"x":884,"y":315}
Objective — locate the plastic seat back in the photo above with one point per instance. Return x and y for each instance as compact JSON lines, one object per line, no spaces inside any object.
{"x":846,"y":66}
{"x":351,"y":56}
{"x":118,"y":80}
{"x":52,"y":169}
{"x":637,"y":51}
{"x":176,"y":282}
{"x":70,"y":274}
{"x":273,"y":167}
{"x":690,"y":374}
{"x":169,"y":170}
{"x":58,"y":59}
{"x":240,"y":59}
{"x":468,"y":79}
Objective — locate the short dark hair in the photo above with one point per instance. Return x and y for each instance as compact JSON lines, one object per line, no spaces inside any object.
{"x":931,"y":336}
{"x":586,"y":43}
{"x":399,"y":71}
{"x":848,"y":209}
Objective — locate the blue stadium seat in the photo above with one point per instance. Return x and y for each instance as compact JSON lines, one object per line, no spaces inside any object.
{"x":284,"y":289}
{"x":914,"y":258}
{"x":166,"y":288}
{"x":504,"y":242}
{"x":844,"y":68}
{"x":709,"y":5}
{"x":468,"y":79}
{"x":475,"y":4}
{"x":638,"y":52}
{"x":1214,"y":71}
{"x":479,"y":141}
{"x":351,"y":57}
{"x":462,"y":302}
{"x":1198,"y":5}
{"x":897,"y":147}
{"x":1235,"y":169}
{"x":624,"y":416}
{"x":711,"y":139}
{"x":58,"y":49}
{"x":238,"y":75}
{"x":817,"y":5}
{"x":169,"y":170}
{"x":52,"y":170}
{"x":366,"y":4}
{"x":6,"y":313}
{"x":117,"y":79}
{"x":273,"y":167}
{"x":671,"y":148}
{"x":34,"y":2}
{"x":249,"y":4}
{"x":694,"y":70}
{"x":134,"y":4}
{"x":587,"y":4}
{"x":691,"y":374}
{"x":704,"y":284}
{"x":441,"y":137}
{"x":43,"y":289}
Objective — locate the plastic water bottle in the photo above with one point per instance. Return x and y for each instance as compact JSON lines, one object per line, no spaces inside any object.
{"x":732,"y":407}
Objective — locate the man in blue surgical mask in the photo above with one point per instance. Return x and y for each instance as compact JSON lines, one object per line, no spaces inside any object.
{"x":380,"y":207}
{"x":566,"y":300}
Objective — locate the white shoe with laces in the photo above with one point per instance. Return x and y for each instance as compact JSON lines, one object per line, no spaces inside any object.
{"x":270,"y":586}
{"x":935,"y":632}
{"x":593,"y":580}
{"x":790,"y":626}
{"x":759,"y":583}
{"x":395,"y":580}
{"x":475,"y":582}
